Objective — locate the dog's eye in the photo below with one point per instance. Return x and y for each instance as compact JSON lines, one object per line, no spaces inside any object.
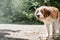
{"x":42,"y":11}
{"x":37,"y":11}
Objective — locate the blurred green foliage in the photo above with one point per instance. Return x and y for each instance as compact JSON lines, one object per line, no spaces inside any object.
{"x":22,"y":11}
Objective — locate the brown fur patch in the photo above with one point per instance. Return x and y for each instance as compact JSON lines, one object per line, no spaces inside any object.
{"x":45,"y":12}
{"x":54,"y":12}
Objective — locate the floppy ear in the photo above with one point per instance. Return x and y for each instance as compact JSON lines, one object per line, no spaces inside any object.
{"x":35,"y":8}
{"x":46,"y":12}
{"x":35,"y":11}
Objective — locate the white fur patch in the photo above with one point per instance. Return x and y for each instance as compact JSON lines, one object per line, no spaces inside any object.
{"x":39,"y":13}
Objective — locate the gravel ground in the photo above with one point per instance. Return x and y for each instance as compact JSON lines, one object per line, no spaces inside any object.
{"x":22,"y":32}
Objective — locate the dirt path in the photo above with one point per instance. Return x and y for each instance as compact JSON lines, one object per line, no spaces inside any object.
{"x":32,"y":32}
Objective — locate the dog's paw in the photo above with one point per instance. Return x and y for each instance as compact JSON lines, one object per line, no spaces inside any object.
{"x":49,"y":38}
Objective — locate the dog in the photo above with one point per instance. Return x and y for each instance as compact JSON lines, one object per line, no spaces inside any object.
{"x":51,"y":17}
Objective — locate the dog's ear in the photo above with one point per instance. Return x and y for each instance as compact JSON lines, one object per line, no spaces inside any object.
{"x":36,"y":11}
{"x":35,"y":8}
{"x":46,"y":12}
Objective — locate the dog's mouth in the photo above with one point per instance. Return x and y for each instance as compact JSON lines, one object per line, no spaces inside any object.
{"x":40,"y":17}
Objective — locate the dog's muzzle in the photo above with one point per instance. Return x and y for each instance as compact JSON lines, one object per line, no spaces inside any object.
{"x":38,"y":16}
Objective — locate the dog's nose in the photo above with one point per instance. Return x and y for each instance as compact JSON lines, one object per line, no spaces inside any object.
{"x":38,"y":16}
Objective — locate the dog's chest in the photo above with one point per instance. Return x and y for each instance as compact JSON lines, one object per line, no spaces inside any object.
{"x":48,"y":20}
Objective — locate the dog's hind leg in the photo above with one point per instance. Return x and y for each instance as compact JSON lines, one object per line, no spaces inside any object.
{"x":55,"y":30}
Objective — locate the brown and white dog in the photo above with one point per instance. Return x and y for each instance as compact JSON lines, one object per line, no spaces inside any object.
{"x":51,"y":18}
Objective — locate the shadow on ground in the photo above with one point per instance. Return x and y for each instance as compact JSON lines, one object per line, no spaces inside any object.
{"x":58,"y":38}
{"x":3,"y":32}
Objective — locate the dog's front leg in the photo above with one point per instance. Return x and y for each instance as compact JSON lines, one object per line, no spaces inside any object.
{"x":50,"y":31}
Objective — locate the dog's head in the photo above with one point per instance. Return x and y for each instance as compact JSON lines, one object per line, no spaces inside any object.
{"x":44,"y":12}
